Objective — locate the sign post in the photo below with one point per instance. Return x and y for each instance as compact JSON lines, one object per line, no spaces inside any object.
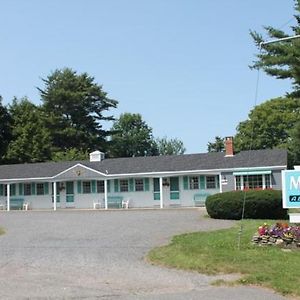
{"x":291,"y":192}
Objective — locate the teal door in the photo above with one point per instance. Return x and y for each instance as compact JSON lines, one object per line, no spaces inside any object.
{"x":174,"y":188}
{"x":69,"y":192}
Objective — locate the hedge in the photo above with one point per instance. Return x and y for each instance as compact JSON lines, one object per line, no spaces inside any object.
{"x":262,"y":204}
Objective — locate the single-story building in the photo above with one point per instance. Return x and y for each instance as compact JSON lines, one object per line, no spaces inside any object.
{"x":150,"y":181}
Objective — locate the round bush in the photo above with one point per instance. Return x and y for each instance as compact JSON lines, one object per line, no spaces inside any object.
{"x":262,"y":204}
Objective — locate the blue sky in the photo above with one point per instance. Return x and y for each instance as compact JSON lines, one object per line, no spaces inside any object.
{"x":181,"y":64}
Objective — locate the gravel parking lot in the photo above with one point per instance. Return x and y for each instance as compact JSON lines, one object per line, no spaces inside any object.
{"x":100,"y":255}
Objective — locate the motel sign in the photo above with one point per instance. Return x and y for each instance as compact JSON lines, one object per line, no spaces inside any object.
{"x":291,"y":189}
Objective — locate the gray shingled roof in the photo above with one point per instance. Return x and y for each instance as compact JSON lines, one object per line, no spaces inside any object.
{"x":149,"y":164}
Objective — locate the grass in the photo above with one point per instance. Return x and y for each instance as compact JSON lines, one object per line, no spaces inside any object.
{"x":216,"y":252}
{"x":2,"y":231}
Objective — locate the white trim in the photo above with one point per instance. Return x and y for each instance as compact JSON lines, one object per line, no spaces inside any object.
{"x":105,"y":194}
{"x":78,"y":165}
{"x":148,"y":174}
{"x":161,"y":192}
{"x":8,"y":197}
{"x":54,"y":195}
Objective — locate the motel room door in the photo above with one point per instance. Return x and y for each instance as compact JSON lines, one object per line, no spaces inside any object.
{"x":69,"y":194}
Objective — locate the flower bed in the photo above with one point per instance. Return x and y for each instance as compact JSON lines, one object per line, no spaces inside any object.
{"x":280,"y":234}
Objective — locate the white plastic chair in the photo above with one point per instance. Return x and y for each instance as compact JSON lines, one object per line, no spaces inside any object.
{"x":125,"y":203}
{"x":25,"y":206}
{"x":96,"y":205}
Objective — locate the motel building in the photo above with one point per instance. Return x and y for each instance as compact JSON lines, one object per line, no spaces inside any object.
{"x":138,"y":182}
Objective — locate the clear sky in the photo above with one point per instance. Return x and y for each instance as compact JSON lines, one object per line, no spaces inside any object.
{"x":181,"y":64}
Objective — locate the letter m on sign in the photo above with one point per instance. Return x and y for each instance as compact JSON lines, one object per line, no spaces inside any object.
{"x":295,"y":183}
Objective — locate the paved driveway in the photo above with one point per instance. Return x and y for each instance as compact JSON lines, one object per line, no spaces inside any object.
{"x":100,"y":255}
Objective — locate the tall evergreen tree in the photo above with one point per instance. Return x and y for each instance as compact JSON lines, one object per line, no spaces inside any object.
{"x":281,"y":59}
{"x":75,"y":107}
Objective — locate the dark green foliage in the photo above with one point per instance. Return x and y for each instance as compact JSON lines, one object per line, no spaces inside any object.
{"x":268,"y":125}
{"x":5,"y":129}
{"x":30,"y":138}
{"x":262,"y":204}
{"x":169,"y":147}
{"x":217,"y":145}
{"x":132,"y":137}
{"x":281,"y":59}
{"x":294,"y":146}
{"x":75,"y":107}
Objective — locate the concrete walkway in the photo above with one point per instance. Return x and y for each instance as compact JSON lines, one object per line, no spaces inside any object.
{"x":100,"y":255}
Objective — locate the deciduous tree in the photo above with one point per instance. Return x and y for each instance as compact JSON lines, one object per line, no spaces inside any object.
{"x":133,"y":137}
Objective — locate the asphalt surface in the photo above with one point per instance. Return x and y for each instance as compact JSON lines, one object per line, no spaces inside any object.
{"x":101,"y":255}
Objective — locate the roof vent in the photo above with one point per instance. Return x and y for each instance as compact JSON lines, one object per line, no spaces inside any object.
{"x":97,"y":156}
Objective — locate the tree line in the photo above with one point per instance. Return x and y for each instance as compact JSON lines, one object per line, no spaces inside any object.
{"x":70,"y":122}
{"x":276,"y":122}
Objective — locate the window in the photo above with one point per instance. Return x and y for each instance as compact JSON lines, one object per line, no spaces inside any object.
{"x":27,"y":189}
{"x":139,"y":185}
{"x":100,"y":186}
{"x":123,"y":185}
{"x":194,"y":183}
{"x":251,"y":182}
{"x":40,"y":190}
{"x":210,"y":182}
{"x":86,"y":187}
{"x":267,"y":181}
{"x":238,"y":183}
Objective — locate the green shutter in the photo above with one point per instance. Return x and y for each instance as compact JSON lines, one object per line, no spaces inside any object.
{"x":174,"y":184}
{"x":131,"y":185}
{"x":116,"y":184}
{"x":1,"y":189}
{"x":185,"y":183}
{"x":21,"y":185}
{"x":146,"y":183}
{"x":13,"y":189}
{"x":202,"y":182}
{"x":32,"y":188}
{"x":108,"y":186}
{"x":93,"y":186}
{"x":156,"y":187}
{"x":46,"y":188}
{"x":218,"y":181}
{"x":79,"y":186}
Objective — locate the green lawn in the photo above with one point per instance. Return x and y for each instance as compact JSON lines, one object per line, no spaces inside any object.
{"x":217,"y":252}
{"x":2,"y":231}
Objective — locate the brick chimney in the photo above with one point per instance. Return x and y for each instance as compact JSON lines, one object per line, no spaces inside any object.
{"x":229,"y":146}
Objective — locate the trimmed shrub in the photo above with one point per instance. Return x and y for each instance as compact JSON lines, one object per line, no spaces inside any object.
{"x":262,"y":204}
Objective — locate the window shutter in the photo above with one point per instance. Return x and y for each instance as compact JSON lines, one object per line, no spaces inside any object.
{"x":32,"y":188}
{"x":202,"y":182}
{"x":218,"y":181}
{"x":185,"y":183}
{"x":93,"y":183}
{"x":46,"y":188}
{"x":131,"y":185}
{"x":79,"y":186}
{"x":146,"y":183}
{"x":1,"y":189}
{"x":116,"y":184}
{"x":13,"y":189}
{"x":21,"y":189}
{"x":108,"y":186}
